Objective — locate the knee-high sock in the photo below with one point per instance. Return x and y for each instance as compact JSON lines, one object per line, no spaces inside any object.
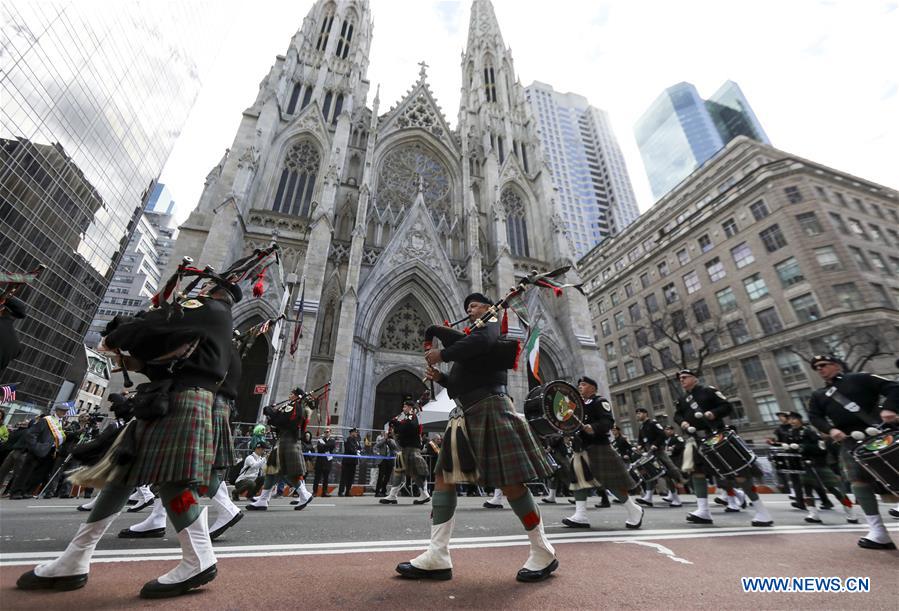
{"x":443,"y":506}
{"x":215,"y":480}
{"x":110,"y":501}
{"x":180,"y":503}
{"x":526,"y":510}
{"x":864,"y":496}
{"x":700,"y":486}
{"x":581,"y":495}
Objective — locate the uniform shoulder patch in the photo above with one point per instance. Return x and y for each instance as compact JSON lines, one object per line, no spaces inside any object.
{"x":659,"y":426}
{"x":679,"y":438}
{"x":192,"y":304}
{"x":720,"y":394}
{"x":606,"y":405}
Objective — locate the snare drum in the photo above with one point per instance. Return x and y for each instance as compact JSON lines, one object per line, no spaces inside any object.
{"x":879,"y":456}
{"x":726,"y":453}
{"x":647,"y":469}
{"x":788,"y":462}
{"x":556,"y":408}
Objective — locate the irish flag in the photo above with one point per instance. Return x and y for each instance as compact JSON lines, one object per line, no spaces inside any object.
{"x":533,"y":352}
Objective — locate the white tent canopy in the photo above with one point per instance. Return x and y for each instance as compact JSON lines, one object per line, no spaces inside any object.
{"x":437,"y":410}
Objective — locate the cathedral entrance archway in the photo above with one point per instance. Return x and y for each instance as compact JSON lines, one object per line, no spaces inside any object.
{"x":389,"y":396}
{"x":254,"y":371}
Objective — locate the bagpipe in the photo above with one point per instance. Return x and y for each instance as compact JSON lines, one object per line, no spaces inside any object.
{"x":295,"y":411}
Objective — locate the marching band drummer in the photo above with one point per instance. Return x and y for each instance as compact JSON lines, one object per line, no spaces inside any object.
{"x":604,"y":463}
{"x":652,"y":438}
{"x":849,"y":402}
{"x":409,"y":460}
{"x":500,"y":448}
{"x":703,"y":408}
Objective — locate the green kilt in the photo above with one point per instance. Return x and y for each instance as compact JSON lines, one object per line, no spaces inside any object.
{"x":177,"y":447}
{"x":290,"y":459}
{"x":505,"y":448}
{"x":608,"y":467}
{"x":221,"y":433}
{"x":410,"y":462}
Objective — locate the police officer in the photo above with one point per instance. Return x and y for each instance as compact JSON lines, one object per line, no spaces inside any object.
{"x":652,"y":440}
{"x":701,"y":411}
{"x":848,"y":403}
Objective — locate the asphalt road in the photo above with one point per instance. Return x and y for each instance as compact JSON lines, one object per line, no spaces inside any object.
{"x":356,"y":541}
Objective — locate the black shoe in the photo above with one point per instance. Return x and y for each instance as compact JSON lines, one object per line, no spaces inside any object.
{"x":573,"y":524}
{"x":826,"y":507}
{"x":489,"y":505}
{"x":532,"y":576}
{"x":869,"y":544}
{"x":572,"y":501}
{"x":153,"y":533}
{"x":387,"y":501}
{"x":421,"y":501}
{"x":603,"y":505}
{"x":761,"y":524}
{"x":154,"y":589}
{"x":675,"y":506}
{"x":642,"y":501}
{"x":405,"y":569}
{"x":698,"y":519}
{"x":16,"y":497}
{"x":547,"y":501}
{"x":731,"y":510}
{"x":813,"y":520}
{"x":257,"y":507}
{"x":894,"y":513}
{"x":302,"y":506}
{"x":83,"y":508}
{"x":30,"y":581}
{"x":218,"y":532}
{"x":140,"y":506}
{"x":720,"y":501}
{"x":796,"y":505}
{"x":65,"y":496}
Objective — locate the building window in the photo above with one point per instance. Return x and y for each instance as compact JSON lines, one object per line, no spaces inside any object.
{"x":619,"y":320}
{"x":759,"y":210}
{"x":856,"y":227}
{"x":895,"y":262}
{"x":789,"y":272}
{"x":625,"y":341}
{"x":611,"y":352}
{"x":878,"y":235}
{"x":613,"y":375}
{"x":755,"y":287}
{"x":727,"y":301}
{"x":822,"y":194}
{"x":739,"y":334}
{"x":837,"y":222}
{"x":800,"y":398}
{"x":667,"y":360}
{"x":614,"y":298}
{"x":701,"y":311}
{"x":630,"y":370}
{"x":789,"y":365}
{"x":490,"y":83}
{"x":644,"y":280}
{"x":516,"y":225}
{"x":724,"y":378}
{"x":806,"y":308}
{"x":879,"y":264}
{"x":715,"y":269}
{"x":768,"y":408}
{"x":325,"y":31}
{"x":346,"y":37}
{"x":652,"y":304}
{"x":682,"y":257}
{"x":670,"y":293}
{"x":794,"y":196}
{"x":663,"y":268}
{"x":297,"y":183}
{"x":634,"y":311}
{"x":629,"y":289}
{"x":655,"y":396}
{"x":691,"y":282}
{"x":606,"y":328}
{"x":711,"y":340}
{"x":678,"y":321}
{"x":860,"y":259}
{"x":642,"y":338}
{"x":848,"y":296}
{"x":772,"y":238}
{"x":808,"y":222}
{"x":769,"y":321}
{"x":882,"y":295}
{"x":637,"y":397}
{"x":841,"y":199}
{"x":294,"y":97}
{"x":827,"y":258}
{"x":754,"y":372}
{"x":742,"y":255}
{"x":729,"y":227}
{"x":705,"y":243}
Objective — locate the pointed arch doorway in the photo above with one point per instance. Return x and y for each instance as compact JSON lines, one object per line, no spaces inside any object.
{"x":254,"y":370}
{"x":389,"y":396}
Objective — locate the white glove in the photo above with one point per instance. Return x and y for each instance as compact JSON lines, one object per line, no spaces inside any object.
{"x":794,"y":446}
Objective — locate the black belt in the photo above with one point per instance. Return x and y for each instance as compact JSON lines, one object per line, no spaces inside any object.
{"x":473,"y":396}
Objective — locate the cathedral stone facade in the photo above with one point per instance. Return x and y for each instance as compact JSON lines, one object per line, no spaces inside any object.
{"x":389,"y":218}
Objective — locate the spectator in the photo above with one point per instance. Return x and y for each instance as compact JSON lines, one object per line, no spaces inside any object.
{"x":325,"y":445}
{"x":252,"y":474}
{"x":42,"y":441}
{"x":384,"y":446}
{"x":16,"y":444}
{"x":351,"y":447}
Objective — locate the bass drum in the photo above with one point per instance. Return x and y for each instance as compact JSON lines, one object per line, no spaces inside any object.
{"x":556,"y":408}
{"x":879,"y":456}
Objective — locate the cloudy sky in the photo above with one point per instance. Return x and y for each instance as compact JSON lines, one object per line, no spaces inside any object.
{"x":820,"y":75}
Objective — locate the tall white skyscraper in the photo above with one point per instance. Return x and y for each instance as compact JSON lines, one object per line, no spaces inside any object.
{"x":595,"y":191}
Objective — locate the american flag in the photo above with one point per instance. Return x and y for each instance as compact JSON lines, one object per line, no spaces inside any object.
{"x":265,"y":326}
{"x":9,"y":393}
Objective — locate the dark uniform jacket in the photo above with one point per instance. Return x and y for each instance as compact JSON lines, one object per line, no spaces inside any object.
{"x":782,"y":432}
{"x":228,"y":389}
{"x":324,"y":446}
{"x":811,"y":445}
{"x":863,"y":390}
{"x":624,"y":448}
{"x":651,"y":434}
{"x":470,"y":371}
{"x":674,"y":446}
{"x":90,"y":452}
{"x":703,"y":399}
{"x":407,"y":432}
{"x":598,"y":414}
{"x":351,"y":446}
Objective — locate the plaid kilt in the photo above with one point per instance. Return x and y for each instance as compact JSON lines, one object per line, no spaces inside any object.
{"x":411,"y":460}
{"x":177,"y":447}
{"x":608,"y":467}
{"x":290,"y":459}
{"x":506,"y":450}
{"x":221,"y":433}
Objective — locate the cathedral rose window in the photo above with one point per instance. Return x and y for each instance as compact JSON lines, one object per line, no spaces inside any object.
{"x":399,"y":178}
{"x":297,"y":182}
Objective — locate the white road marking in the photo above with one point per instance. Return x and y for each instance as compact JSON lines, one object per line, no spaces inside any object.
{"x":661,"y":549}
{"x":361,"y":547}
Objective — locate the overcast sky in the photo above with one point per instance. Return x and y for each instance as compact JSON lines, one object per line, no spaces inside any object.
{"x":821,"y":76}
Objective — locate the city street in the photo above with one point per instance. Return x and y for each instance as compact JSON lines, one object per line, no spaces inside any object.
{"x":342,"y":551}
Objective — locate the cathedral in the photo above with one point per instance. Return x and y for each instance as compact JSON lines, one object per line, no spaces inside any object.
{"x":386,"y":219}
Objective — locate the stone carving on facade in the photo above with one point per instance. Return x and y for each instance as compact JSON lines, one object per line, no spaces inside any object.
{"x":420,"y":113}
{"x":249,"y":159}
{"x":417,"y":247}
{"x":216,"y":172}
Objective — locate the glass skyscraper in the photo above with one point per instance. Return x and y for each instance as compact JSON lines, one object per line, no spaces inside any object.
{"x":588,"y":169}
{"x":680,"y":131}
{"x":93,"y":97}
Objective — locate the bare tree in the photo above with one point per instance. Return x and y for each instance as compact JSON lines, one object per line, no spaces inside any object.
{"x":855,"y":346}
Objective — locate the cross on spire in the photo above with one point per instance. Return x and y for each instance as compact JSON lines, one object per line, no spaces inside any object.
{"x":423,"y":72}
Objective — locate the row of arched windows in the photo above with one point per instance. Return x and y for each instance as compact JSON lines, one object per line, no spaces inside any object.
{"x":346,"y":35}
